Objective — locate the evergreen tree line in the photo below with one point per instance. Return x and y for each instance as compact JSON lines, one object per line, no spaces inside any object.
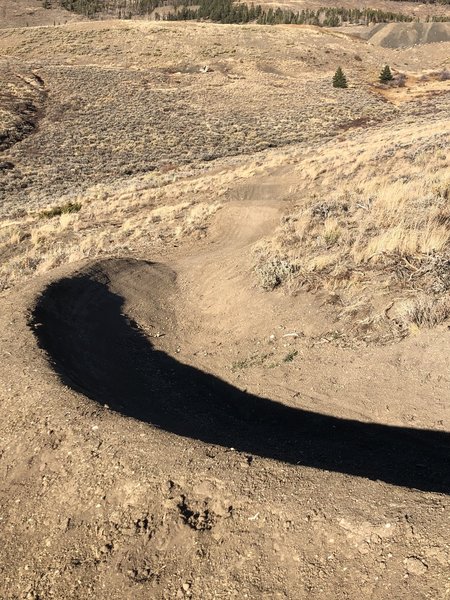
{"x":120,"y":8}
{"x":227,"y":11}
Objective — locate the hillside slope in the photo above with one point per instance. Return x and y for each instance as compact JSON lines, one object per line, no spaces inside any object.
{"x":31,"y":13}
{"x":224,"y":312}
{"x":404,"y":35}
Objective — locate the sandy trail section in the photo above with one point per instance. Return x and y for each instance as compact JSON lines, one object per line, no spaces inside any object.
{"x":88,"y":325}
{"x":214,"y":279}
{"x":185,"y":478}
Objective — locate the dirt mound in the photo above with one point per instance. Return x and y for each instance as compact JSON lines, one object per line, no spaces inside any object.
{"x":404,"y":35}
{"x":87,"y":326}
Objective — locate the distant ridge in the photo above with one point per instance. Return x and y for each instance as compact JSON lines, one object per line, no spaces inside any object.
{"x":405,"y":35}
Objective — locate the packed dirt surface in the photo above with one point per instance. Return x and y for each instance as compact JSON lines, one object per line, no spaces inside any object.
{"x":208,"y":387}
{"x":99,"y":351}
{"x":404,"y":35}
{"x":208,"y":490}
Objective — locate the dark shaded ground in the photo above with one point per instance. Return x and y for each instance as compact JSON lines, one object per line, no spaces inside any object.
{"x":99,"y":351}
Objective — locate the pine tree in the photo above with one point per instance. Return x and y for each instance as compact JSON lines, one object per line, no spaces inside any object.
{"x":339,"y":79}
{"x":386,"y":75}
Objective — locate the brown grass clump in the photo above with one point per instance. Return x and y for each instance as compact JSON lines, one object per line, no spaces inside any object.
{"x":273,"y":271}
{"x":427,"y":311}
{"x":65,"y":209}
{"x":373,"y":226}
{"x":131,"y":219}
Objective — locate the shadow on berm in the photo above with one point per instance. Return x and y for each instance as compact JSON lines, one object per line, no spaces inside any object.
{"x":97,"y":350}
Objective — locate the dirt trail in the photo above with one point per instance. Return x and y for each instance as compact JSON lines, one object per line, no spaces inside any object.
{"x":93,"y":325}
{"x":215,"y":280}
{"x":136,"y":465}
{"x":79,"y":322}
{"x":171,"y":431}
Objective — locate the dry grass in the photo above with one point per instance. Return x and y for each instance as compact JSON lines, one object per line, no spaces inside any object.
{"x":129,"y":98}
{"x":145,"y":147}
{"x":426,"y":311}
{"x":372,"y":225}
{"x":139,"y":217}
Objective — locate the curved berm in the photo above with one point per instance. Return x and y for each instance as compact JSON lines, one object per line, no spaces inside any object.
{"x":89,"y":326}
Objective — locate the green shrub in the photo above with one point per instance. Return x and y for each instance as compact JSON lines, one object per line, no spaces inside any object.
{"x":56,"y":211}
{"x":386,"y":74}
{"x":339,"y":79}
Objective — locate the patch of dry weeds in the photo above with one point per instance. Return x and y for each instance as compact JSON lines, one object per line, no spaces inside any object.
{"x":372,"y":227}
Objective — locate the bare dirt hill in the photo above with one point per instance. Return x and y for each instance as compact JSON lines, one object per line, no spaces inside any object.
{"x":404,"y":35}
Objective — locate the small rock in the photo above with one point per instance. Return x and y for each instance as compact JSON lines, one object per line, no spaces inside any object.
{"x":415,"y":566}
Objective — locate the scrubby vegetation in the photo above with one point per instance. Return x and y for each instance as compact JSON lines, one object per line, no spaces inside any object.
{"x":162,"y":119}
{"x":227,"y":11}
{"x":380,"y":245}
{"x":339,"y":79}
